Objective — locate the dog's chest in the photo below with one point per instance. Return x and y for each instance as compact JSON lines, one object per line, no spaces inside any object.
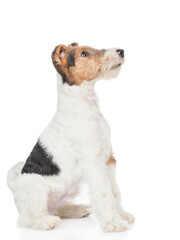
{"x":88,"y":125}
{"x":78,"y":127}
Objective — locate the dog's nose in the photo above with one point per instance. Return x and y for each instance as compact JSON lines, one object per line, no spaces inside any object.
{"x":120,"y":52}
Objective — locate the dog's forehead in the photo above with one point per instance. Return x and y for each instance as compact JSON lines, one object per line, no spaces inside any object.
{"x":80,"y":49}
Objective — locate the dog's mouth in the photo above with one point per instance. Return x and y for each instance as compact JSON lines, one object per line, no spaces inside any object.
{"x":116,"y":66}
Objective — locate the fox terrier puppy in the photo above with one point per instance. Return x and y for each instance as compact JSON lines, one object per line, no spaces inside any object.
{"x":74,"y":147}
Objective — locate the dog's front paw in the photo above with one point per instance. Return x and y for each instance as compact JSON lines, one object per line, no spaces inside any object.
{"x":46,"y":223}
{"x":127,"y":217}
{"x":115,"y":225}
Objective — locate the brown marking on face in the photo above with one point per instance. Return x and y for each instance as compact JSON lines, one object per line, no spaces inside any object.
{"x":74,"y":66}
{"x":87,"y":64}
{"x":111,"y":160}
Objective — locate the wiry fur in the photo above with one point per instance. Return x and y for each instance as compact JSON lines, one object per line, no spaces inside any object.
{"x":78,"y":138}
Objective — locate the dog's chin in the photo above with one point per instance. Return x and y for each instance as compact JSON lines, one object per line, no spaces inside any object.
{"x":113,"y":72}
{"x":116,"y":66}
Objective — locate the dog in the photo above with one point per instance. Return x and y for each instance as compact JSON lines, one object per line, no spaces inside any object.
{"x":75,"y":147}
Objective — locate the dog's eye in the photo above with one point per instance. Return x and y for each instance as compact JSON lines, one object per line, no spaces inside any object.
{"x":84,"y":54}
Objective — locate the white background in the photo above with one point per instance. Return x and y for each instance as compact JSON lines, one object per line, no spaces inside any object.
{"x":142,"y":106}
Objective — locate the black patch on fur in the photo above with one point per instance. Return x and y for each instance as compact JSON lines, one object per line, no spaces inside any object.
{"x":71,"y":60}
{"x":73,"y":44}
{"x":40,"y":162}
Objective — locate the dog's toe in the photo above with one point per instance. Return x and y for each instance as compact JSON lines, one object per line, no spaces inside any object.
{"x":46,"y":223}
{"x":116,"y":225}
{"x":128,"y":217}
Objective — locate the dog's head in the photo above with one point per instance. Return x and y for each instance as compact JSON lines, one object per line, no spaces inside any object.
{"x":78,"y":63}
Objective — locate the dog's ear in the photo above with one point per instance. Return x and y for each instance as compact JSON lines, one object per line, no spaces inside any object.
{"x":59,"y":56}
{"x":73,"y":45}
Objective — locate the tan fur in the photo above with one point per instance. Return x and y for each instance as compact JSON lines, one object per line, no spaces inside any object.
{"x":73,"y":45}
{"x":76,"y":74}
{"x":115,"y":195}
{"x":104,"y":195}
{"x":111,"y":160}
{"x":81,"y":72}
{"x":73,"y":211}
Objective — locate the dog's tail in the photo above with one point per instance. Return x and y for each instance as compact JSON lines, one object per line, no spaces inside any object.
{"x":13,"y":174}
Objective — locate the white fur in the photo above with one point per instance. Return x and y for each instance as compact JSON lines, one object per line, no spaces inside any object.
{"x":79,"y":139}
{"x":110,"y":59}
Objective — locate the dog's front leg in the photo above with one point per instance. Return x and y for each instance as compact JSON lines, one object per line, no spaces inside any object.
{"x":116,"y":192}
{"x":102,"y":199}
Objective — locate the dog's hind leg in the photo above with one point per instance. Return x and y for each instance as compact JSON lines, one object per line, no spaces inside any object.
{"x":73,"y":211}
{"x":31,"y":197}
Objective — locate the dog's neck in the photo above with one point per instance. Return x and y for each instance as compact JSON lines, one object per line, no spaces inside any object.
{"x":84,"y":93}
